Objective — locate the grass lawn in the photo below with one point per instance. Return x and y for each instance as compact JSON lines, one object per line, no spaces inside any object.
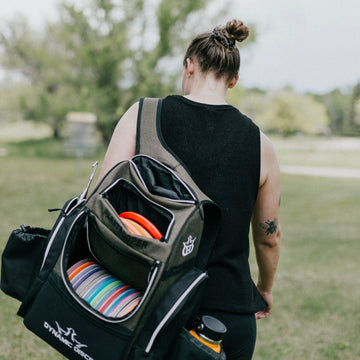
{"x":332,"y":152}
{"x":317,"y":290}
{"x":318,"y":284}
{"x":28,"y":187}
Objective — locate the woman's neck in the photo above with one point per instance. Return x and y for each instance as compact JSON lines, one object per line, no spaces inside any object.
{"x":207,"y":89}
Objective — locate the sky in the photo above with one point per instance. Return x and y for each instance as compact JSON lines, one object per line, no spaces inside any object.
{"x":310,"y":45}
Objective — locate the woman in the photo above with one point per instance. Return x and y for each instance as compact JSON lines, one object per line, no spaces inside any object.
{"x":235,"y":165}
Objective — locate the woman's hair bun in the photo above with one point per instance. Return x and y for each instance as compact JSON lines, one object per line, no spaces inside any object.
{"x":237,"y":30}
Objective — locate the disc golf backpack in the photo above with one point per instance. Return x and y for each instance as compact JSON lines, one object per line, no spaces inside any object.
{"x":104,"y":284}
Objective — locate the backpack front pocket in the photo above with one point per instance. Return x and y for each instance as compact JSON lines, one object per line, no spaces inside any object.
{"x":112,"y":296}
{"x":70,"y":328}
{"x":125,"y":262}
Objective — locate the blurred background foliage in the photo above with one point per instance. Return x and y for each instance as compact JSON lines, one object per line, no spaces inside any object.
{"x":103,"y":56}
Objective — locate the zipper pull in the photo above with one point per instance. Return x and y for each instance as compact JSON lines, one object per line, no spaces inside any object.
{"x":82,"y":196}
{"x":24,"y":228}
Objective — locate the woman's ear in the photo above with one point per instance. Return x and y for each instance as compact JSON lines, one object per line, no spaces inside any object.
{"x":189,"y":67}
{"x":233,"y":81}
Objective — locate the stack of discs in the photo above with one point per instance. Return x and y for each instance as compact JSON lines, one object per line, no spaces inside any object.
{"x":102,"y":290}
{"x":140,"y":225}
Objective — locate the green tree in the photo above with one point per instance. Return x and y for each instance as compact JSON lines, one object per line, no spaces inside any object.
{"x":100,"y":57}
{"x":29,"y":55}
{"x":284,"y":112}
{"x":355,"y":109}
{"x":338,"y":108}
{"x":251,"y":102}
{"x":289,"y":113}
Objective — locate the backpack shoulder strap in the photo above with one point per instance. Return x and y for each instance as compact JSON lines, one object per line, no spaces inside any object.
{"x":149,"y":142}
{"x":148,"y":138}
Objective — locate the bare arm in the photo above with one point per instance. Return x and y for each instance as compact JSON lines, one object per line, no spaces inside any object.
{"x":123,"y":141}
{"x":266,"y":224}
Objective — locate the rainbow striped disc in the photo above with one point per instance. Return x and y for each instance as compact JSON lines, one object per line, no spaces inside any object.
{"x":91,"y":288}
{"x":98,"y":285}
{"x":120,"y":296}
{"x":76,"y":265}
{"x":84,"y":274}
{"x":125,"y":306}
{"x":102,"y":290}
{"x":121,"y":301}
{"x":130,"y":306}
{"x":109,"y":301}
{"x":77,"y":271}
{"x":81,"y":290}
{"x":108,"y":296}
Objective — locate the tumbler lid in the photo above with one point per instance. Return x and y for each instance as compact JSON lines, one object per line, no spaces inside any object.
{"x":211,"y":328}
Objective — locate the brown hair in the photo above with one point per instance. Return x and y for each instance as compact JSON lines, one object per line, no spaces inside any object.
{"x":216,"y":51}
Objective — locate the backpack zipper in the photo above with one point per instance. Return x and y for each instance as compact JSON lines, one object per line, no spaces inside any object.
{"x":58,"y":226}
{"x":173,"y":309}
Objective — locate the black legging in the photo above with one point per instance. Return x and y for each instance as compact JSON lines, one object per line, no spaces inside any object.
{"x":239,"y":341}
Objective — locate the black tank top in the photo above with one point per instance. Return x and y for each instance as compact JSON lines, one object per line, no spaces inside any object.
{"x":221,"y":148}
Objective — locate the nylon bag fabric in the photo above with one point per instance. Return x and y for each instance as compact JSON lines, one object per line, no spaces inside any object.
{"x":21,"y":259}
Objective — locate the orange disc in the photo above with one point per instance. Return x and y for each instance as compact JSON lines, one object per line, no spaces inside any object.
{"x":140,"y":228}
{"x":76,"y":271}
{"x":131,"y":227}
{"x":144,"y":222}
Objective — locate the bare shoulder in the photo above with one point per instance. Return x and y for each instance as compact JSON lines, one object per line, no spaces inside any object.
{"x":133,"y":110}
{"x":129,"y":119}
{"x":125,"y":129}
{"x":122,"y":145}
{"x":267,"y":147}
{"x":269,"y":162}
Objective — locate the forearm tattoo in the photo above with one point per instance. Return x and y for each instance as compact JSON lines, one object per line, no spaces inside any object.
{"x":270,"y":226}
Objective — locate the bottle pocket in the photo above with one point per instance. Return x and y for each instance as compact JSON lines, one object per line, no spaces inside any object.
{"x":21,"y":259}
{"x":188,"y":347}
